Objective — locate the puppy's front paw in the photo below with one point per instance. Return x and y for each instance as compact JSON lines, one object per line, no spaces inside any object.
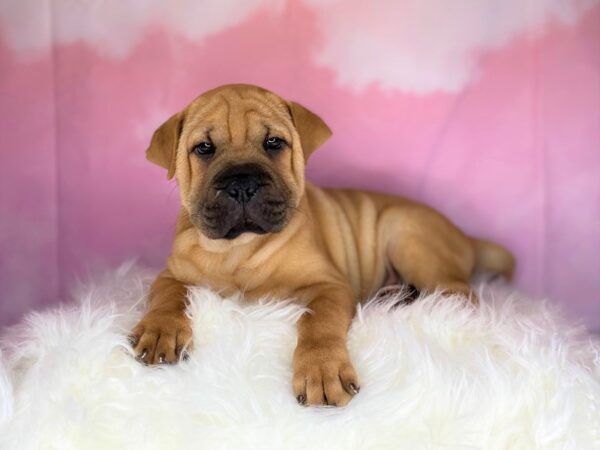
{"x":324,"y":375}
{"x":162,"y":337}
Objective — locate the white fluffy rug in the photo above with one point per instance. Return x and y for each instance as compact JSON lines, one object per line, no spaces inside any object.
{"x":435,"y":375}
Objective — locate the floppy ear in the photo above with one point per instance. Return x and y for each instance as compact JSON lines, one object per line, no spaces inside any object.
{"x":163,"y":146}
{"x":311,"y":128}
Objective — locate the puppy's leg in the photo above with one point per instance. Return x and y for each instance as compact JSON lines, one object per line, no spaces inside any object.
{"x":430,"y":253}
{"x":165,"y":331}
{"x":323,"y":373}
{"x":428,"y":271}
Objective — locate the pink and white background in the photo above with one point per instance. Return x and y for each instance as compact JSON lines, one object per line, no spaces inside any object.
{"x":488,"y":110}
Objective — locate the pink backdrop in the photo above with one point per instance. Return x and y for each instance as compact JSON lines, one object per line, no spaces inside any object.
{"x":489,"y":111}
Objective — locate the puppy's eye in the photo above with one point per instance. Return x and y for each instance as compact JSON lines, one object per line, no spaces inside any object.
{"x":204,"y":148}
{"x":273,"y":144}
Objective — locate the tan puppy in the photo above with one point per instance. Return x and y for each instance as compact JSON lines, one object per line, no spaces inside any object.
{"x":249,"y":222}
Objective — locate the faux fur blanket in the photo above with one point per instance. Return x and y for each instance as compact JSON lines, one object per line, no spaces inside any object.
{"x":434,"y":375}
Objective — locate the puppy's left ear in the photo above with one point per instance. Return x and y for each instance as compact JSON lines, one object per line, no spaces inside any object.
{"x":163,"y":146}
{"x":312,"y":129}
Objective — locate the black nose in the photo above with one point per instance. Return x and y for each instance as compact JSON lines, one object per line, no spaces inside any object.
{"x":241,"y":182}
{"x":242,"y":188}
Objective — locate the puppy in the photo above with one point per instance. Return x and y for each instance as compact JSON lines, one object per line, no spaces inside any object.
{"x":250,"y":222}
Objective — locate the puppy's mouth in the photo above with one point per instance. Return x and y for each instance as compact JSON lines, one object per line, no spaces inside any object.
{"x":247,"y":226}
{"x":224,"y":220}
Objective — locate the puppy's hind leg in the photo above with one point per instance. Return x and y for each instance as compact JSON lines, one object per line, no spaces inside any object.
{"x":431,"y":260}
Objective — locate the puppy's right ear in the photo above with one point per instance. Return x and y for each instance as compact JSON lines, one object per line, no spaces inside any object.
{"x":163,"y":146}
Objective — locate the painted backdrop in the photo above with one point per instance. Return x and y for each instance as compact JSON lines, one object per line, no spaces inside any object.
{"x":488,"y":110}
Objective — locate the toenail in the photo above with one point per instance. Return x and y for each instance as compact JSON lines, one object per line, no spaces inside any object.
{"x":133,"y":340}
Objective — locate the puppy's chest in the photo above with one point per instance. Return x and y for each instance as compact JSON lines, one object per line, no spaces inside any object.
{"x":230,"y":276}
{"x":253,"y":282}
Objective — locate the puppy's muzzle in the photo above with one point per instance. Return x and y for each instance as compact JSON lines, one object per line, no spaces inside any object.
{"x":242,"y":198}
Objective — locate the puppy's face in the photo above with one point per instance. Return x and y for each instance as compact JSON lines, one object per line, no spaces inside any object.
{"x":238,"y":153}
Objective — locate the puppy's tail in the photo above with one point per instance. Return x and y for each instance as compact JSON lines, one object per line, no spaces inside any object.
{"x":492,"y":257}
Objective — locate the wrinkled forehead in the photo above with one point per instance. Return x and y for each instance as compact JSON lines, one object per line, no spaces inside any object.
{"x":239,"y":114}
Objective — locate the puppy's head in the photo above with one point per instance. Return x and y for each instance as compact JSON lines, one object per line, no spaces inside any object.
{"x":238,"y":154}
